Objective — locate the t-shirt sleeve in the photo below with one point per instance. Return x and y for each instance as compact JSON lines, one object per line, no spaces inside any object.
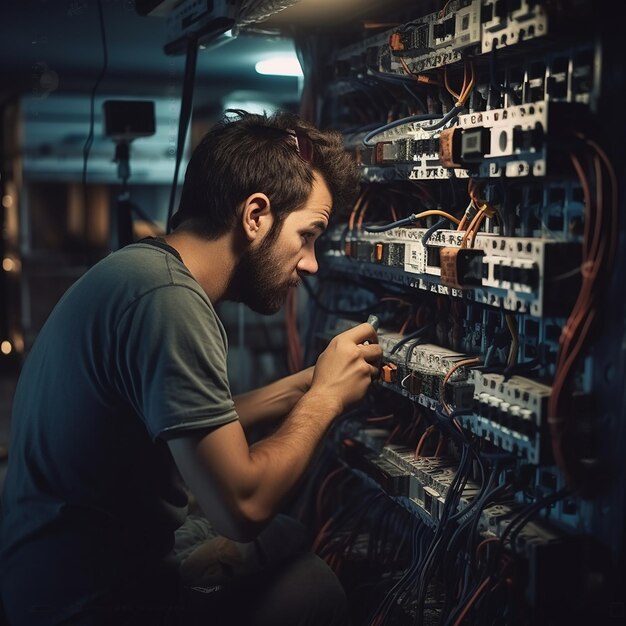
{"x":171,"y":359}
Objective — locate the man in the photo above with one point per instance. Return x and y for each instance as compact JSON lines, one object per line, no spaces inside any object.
{"x":125,"y":392}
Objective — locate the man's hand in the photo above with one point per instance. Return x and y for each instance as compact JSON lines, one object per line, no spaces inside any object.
{"x":345,"y":370}
{"x":240,"y":487}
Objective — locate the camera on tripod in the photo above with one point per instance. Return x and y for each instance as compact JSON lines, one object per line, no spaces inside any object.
{"x":125,"y":121}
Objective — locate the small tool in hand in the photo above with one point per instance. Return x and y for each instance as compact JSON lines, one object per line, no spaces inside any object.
{"x":373,"y":320}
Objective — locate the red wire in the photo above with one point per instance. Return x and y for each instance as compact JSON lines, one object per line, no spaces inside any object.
{"x":322,"y":488}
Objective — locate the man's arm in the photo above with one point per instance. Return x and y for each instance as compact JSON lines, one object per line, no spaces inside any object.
{"x":240,"y":487}
{"x":272,"y":402}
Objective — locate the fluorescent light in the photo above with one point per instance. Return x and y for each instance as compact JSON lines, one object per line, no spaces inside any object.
{"x":284,"y":65}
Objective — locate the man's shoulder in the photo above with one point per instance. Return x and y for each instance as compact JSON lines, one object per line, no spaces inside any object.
{"x":127,"y":276}
{"x":145,"y":262}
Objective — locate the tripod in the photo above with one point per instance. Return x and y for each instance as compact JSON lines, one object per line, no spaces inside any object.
{"x":125,"y":120}
{"x":122,"y":218}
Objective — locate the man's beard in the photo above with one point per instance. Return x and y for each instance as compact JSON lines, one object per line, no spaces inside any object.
{"x":254,"y":279}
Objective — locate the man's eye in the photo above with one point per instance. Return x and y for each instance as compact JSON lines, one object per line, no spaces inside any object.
{"x":306,"y":237}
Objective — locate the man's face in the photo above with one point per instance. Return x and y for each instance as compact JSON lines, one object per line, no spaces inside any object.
{"x":269,"y":269}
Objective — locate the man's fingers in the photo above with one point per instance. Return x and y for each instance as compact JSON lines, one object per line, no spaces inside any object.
{"x":374,"y":372}
{"x":371,"y":352}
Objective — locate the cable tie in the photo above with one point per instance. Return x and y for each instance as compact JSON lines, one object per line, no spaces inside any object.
{"x":586,"y":269}
{"x":566,"y":333}
{"x":487,"y":209}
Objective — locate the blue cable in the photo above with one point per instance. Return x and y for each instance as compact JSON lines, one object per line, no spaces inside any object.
{"x":433,"y":229}
{"x":452,"y":113}
{"x":404,"y":120}
{"x":405,"y":221}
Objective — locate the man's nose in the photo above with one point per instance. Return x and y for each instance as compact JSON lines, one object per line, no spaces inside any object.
{"x":308,"y":263}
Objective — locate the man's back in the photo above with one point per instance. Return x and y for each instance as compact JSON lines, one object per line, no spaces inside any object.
{"x":91,"y":497}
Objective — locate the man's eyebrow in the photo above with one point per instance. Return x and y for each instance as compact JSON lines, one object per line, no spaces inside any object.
{"x":319,"y":224}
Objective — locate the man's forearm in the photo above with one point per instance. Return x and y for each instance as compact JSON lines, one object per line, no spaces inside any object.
{"x":272,"y":402}
{"x":240,"y":487}
{"x":247,"y":485}
{"x":283,"y":457}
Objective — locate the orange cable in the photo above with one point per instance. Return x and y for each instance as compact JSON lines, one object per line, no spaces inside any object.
{"x":440,"y":444}
{"x":595,"y":258}
{"x":446,"y":378}
{"x":471,"y":601}
{"x":382,"y":418}
{"x":323,"y":486}
{"x":422,"y":441}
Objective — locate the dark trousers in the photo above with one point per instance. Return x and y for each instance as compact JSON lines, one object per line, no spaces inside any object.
{"x":277,"y":582}
{"x":302,"y":591}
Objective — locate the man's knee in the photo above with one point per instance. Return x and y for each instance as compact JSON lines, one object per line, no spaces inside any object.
{"x":304,"y":592}
{"x":297,"y":591}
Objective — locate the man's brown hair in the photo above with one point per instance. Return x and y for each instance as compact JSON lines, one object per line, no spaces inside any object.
{"x":274,"y":154}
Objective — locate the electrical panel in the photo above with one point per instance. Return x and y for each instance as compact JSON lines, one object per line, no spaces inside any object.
{"x":482,"y":479}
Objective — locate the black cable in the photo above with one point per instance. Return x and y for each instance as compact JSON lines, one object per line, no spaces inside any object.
{"x":517,"y":524}
{"x":521,"y":368}
{"x":346,"y":545}
{"x":395,"y":594}
{"x":330,"y":310}
{"x":469,"y":526}
{"x":454,"y":563}
{"x":450,"y":548}
{"x":494,"y":84}
{"x":392,"y":78}
{"x":449,"y":617}
{"x":445,"y":421}
{"x":105,"y":64}
{"x":513,"y":528}
{"x":428,"y":561}
{"x":409,"y":353}
{"x":445,"y":529}
{"x":186,"y":105}
{"x":451,"y":180}
{"x":348,"y":513}
{"x":414,"y":335}
{"x":487,"y":495}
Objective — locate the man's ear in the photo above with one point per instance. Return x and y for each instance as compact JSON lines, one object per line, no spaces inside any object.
{"x":256,"y":215}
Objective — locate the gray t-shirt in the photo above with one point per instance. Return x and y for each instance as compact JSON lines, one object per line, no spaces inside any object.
{"x":133,"y":354}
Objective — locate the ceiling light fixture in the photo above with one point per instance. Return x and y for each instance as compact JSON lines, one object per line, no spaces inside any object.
{"x":218,"y":40}
{"x":283,"y":65}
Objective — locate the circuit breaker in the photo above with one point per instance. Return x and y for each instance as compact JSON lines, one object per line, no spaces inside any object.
{"x":482,"y":480}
